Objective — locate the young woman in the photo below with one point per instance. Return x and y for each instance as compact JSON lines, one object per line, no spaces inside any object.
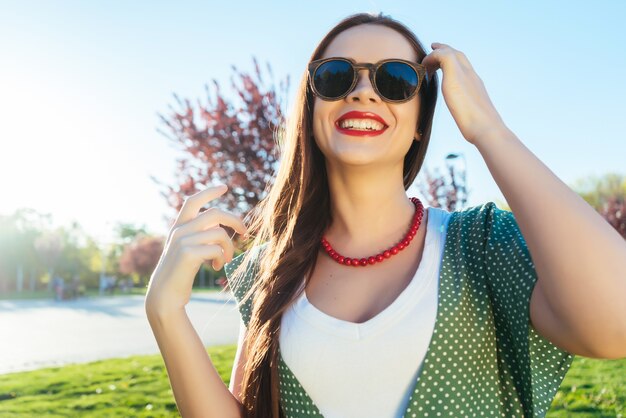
{"x":358,"y":301}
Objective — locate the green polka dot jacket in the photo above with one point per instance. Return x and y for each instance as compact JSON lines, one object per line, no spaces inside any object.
{"x":484,"y":357}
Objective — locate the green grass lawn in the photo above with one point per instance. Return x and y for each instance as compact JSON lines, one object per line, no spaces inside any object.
{"x":138,"y":386}
{"x":592,"y":388}
{"x":135,"y":386}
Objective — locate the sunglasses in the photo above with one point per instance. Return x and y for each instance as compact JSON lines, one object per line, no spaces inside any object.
{"x":394,"y":80}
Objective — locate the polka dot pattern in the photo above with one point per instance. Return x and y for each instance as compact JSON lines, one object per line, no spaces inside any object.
{"x":484,"y":358}
{"x":239,"y":289}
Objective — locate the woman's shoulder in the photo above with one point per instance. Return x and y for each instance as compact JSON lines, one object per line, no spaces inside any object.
{"x":475,"y":227}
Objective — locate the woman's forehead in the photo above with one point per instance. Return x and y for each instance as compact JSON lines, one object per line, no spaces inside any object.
{"x":370,"y":43}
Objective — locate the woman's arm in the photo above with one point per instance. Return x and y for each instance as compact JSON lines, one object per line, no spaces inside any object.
{"x":198,"y":389}
{"x":236,"y":376}
{"x":578,"y":301}
{"x":580,"y":260}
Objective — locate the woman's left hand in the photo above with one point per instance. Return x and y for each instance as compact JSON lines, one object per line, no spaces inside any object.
{"x":464,"y":93}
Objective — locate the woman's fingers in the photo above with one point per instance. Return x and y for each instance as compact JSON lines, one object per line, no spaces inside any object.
{"x":201,"y":253}
{"x":198,"y":235}
{"x":192,"y":205}
{"x":208,"y":219}
{"x":443,"y":54}
{"x":210,"y":237}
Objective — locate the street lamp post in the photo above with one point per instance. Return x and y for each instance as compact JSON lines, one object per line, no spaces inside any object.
{"x":462,"y":187}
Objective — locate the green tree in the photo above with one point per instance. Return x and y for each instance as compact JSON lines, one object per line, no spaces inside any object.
{"x":599,"y":191}
{"x":18,"y":233}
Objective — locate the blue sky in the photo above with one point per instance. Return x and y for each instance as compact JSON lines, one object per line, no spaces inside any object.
{"x":81,"y":84}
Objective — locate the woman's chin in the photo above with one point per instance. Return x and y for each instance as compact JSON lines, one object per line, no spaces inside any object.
{"x":357,"y":155}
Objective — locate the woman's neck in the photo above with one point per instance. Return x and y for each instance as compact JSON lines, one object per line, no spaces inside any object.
{"x":367,"y":213}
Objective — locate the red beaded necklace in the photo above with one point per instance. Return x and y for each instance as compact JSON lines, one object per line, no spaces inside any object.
{"x":356,"y":262}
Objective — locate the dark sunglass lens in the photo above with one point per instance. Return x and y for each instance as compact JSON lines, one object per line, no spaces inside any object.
{"x":396,"y":80}
{"x":333,"y":78}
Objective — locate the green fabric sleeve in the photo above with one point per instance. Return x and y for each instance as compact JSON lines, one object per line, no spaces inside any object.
{"x":529,"y":364}
{"x":240,"y":290}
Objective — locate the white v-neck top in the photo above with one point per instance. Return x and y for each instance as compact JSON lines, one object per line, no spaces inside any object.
{"x":367,"y":369}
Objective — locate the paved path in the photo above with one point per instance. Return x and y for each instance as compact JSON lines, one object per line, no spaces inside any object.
{"x":40,"y":333}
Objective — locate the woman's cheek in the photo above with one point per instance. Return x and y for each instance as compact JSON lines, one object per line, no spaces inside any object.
{"x":321,"y":122}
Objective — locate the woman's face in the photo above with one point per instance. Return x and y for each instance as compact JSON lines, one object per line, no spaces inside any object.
{"x":367,"y":43}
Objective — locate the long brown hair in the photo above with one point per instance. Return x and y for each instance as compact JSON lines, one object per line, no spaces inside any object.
{"x":290,"y":221}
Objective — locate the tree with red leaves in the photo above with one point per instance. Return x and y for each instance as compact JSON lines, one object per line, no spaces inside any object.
{"x":227,"y":142}
{"x":141,"y":256}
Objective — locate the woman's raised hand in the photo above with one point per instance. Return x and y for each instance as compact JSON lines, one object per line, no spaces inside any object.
{"x":464,"y":93}
{"x":193,"y":239}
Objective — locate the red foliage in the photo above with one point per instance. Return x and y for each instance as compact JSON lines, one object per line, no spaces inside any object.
{"x":141,"y":256}
{"x":227,"y":142}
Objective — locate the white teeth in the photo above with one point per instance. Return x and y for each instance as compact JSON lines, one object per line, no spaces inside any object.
{"x":361,"y":124}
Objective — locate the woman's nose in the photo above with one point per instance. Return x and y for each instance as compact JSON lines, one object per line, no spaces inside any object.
{"x":363,"y":91}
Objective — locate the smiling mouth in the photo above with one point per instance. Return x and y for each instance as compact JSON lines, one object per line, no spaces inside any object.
{"x":360,"y":127}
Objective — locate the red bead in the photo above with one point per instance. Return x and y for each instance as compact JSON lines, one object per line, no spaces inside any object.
{"x":401,"y":246}
{"x":364,"y":261}
{"x":380,"y":258}
{"x":341,"y":259}
{"x":387,"y":254}
{"x":371,"y":260}
{"x":394,"y":250}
